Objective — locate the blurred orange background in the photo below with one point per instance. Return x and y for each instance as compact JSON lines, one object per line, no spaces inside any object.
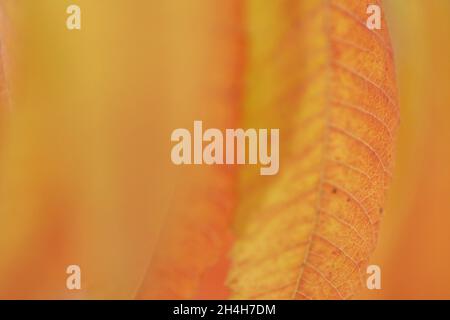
{"x":414,"y":245}
{"x":84,"y":167}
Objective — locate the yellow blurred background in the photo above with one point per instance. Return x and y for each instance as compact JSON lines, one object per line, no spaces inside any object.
{"x":85,"y":167}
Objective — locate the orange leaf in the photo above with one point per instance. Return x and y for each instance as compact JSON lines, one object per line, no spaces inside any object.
{"x":327,"y":81}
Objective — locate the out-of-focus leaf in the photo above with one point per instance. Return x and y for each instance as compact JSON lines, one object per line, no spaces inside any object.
{"x":205,"y":53}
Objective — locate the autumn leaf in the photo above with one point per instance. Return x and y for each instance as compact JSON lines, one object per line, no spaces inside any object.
{"x":320,"y":75}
